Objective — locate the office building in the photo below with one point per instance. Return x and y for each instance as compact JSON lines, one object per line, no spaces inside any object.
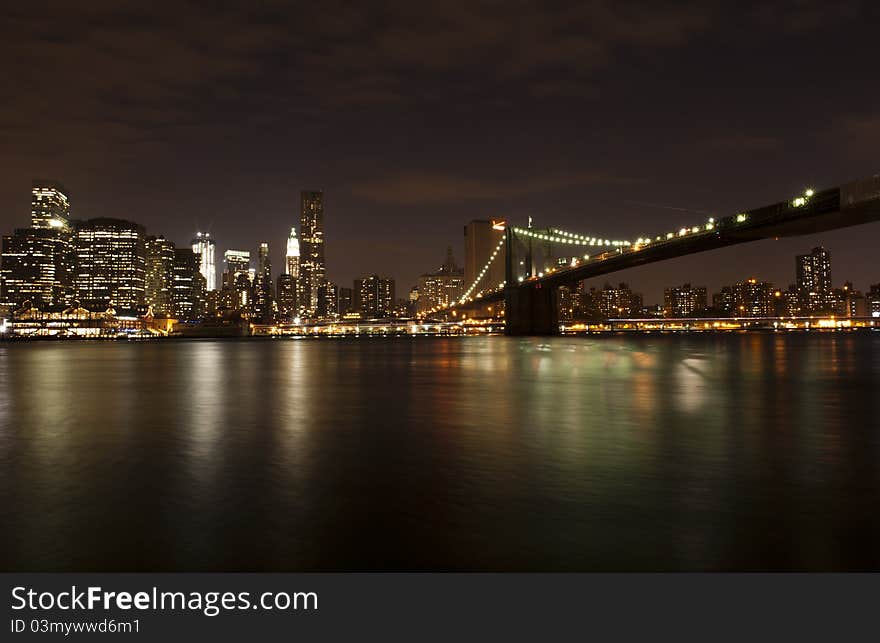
{"x":374,"y":296}
{"x":111,"y":263}
{"x":312,"y":270}
{"x":264,"y":312}
{"x":814,"y":280}
{"x":753,"y":298}
{"x":684,"y":301}
{"x":37,"y":263}
{"x":344,"y":301}
{"x":188,"y":286}
{"x":36,"y":266}
{"x":328,"y":305}
{"x":203,"y":245}
{"x":50,"y":206}
{"x":159,"y":275}
{"x":285,"y":297}
{"x":617,"y":302}
{"x":442,"y":287}
{"x":291,"y":263}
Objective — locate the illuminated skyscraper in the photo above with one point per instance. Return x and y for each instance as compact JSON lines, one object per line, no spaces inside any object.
{"x":311,"y":266}
{"x":285,"y":297}
{"x":159,"y":275}
{"x":37,"y":262}
{"x":236,"y":283}
{"x":814,"y":280}
{"x":203,"y":245}
{"x":188,"y":286}
{"x":111,"y":264}
{"x":50,"y":206}
{"x":291,"y":266}
{"x":328,"y":304}
{"x":442,"y":287}
{"x":374,"y":296}
{"x":263,"y":300}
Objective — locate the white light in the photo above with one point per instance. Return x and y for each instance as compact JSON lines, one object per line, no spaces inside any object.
{"x":56,"y":223}
{"x":809,"y":192}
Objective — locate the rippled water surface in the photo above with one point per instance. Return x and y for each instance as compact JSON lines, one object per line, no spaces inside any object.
{"x":756,"y":451}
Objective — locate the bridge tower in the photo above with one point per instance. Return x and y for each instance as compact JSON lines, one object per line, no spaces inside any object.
{"x":531,"y":309}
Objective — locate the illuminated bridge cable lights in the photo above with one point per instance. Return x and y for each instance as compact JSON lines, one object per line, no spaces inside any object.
{"x":482,"y":273}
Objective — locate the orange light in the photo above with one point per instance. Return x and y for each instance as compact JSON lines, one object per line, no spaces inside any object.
{"x":499,"y":224}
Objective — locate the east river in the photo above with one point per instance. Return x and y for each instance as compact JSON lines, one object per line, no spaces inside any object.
{"x":641,"y":452}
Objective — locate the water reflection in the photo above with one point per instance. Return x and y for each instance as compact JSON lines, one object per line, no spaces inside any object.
{"x":646,"y":452}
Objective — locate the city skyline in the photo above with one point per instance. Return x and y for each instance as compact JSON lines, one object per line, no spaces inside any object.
{"x":654,"y":291}
{"x":555,"y":123}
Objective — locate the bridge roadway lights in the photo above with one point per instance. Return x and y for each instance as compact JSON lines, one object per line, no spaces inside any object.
{"x":532,"y":309}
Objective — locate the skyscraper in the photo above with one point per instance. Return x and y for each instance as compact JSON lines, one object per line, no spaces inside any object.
{"x":312,"y":269}
{"x":188,"y":286}
{"x":236,"y":283}
{"x":111,"y":264}
{"x":291,"y":264}
{"x":36,"y":266}
{"x":50,"y":206}
{"x":37,"y":262}
{"x":159,"y":275}
{"x":814,"y":279}
{"x":374,"y":296}
{"x":344,"y":301}
{"x":285,"y":297}
{"x":328,"y":304}
{"x":263,"y":300}
{"x":203,"y":245}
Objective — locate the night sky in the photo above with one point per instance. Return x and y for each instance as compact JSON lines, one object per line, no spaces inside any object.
{"x":610,"y":118}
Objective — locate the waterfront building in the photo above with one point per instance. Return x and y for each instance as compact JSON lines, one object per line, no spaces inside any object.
{"x":787,"y":303}
{"x":684,"y":301}
{"x":753,"y":298}
{"x":263,"y":296}
{"x":312,"y":269}
{"x":111,"y":263}
{"x":235,"y":284}
{"x":374,"y":296}
{"x":187,"y":286}
{"x":813,"y":273}
{"x":344,"y":301}
{"x":37,"y":263}
{"x":159,"y":275}
{"x":285,"y":297}
{"x":442,"y":287}
{"x":203,"y":245}
{"x":616,"y":302}
{"x":722,"y":302}
{"x":36,"y":266}
{"x":328,"y":304}
{"x":872,"y":301}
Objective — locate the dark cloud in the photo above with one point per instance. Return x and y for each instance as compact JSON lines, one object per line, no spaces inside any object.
{"x":415,"y":117}
{"x":413,"y":188}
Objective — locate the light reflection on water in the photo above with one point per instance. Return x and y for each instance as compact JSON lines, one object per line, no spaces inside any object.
{"x":751,"y":451}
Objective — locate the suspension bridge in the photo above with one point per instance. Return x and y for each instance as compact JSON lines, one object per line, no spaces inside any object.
{"x":539,"y":261}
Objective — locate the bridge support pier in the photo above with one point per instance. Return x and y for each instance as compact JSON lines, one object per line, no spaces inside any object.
{"x":531,"y":310}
